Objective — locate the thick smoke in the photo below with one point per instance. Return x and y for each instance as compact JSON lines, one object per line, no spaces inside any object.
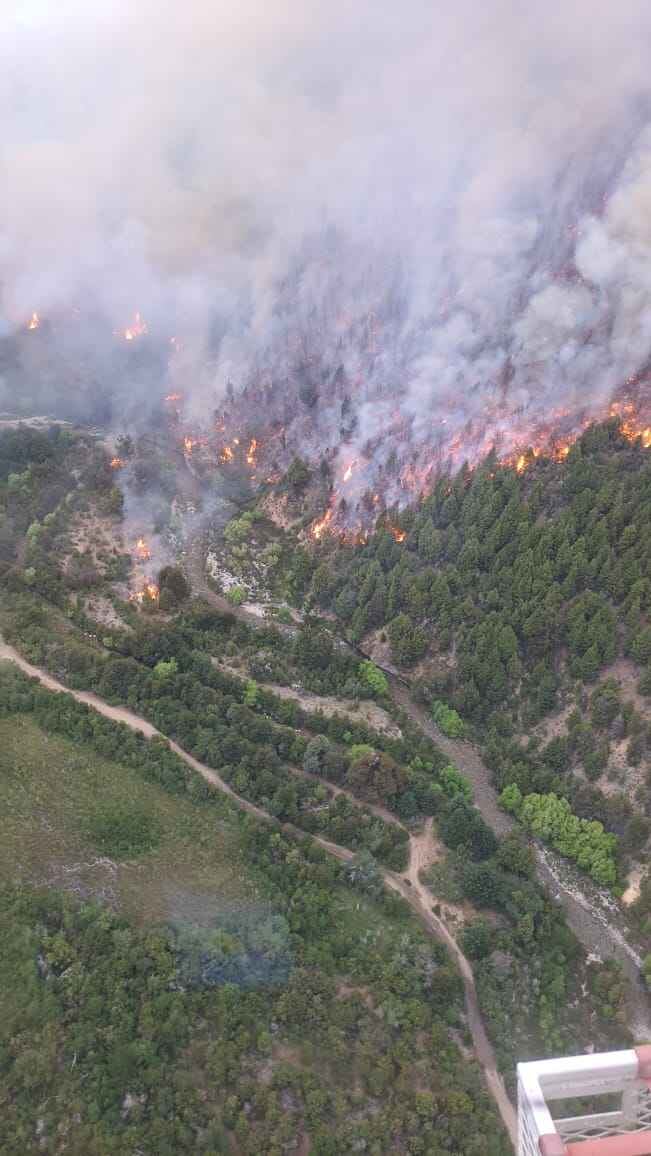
{"x":396,"y":229}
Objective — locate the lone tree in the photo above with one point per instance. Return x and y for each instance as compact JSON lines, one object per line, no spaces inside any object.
{"x":173,"y":586}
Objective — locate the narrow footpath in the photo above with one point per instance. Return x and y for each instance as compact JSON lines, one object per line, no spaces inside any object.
{"x":595,"y":928}
{"x":591,"y":925}
{"x":409,"y":886}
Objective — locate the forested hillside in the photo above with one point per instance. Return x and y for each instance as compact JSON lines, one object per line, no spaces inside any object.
{"x":517,"y":580}
{"x":518,"y":604}
{"x":263,"y":994}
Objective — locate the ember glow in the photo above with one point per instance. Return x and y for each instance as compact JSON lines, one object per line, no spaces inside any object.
{"x":631,"y":425}
{"x":34,"y":321}
{"x":137,"y":329}
{"x":490,"y":295}
{"x":149,"y":593}
{"x":117,"y":463}
{"x":173,"y":397}
{"x":188,"y":445}
{"x":319,"y":528}
{"x":142,"y":551}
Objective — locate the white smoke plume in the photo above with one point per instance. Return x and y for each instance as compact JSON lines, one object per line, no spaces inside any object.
{"x":391,"y":227}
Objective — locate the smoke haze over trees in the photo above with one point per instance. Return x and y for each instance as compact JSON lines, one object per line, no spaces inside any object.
{"x":433,"y":221}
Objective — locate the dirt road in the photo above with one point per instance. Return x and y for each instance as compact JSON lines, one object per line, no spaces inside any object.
{"x":599,"y":929}
{"x":594,"y":928}
{"x":408,"y":886}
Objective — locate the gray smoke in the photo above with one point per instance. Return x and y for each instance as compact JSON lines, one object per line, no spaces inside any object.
{"x":387,"y":226}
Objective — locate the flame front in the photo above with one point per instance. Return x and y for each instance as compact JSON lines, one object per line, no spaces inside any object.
{"x":226,"y":454}
{"x":321,"y":526}
{"x":251,"y":452}
{"x":142,"y":550}
{"x":348,"y":472}
{"x":34,"y":321}
{"x":174,"y":397}
{"x":117,"y":463}
{"x":148,"y":593}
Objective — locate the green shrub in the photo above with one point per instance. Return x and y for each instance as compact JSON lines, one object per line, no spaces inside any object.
{"x":236,"y":595}
{"x":551,"y":819}
{"x":374,"y":678}
{"x":447,"y":720}
{"x":123,"y":832}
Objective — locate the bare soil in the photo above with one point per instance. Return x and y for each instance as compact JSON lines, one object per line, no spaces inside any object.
{"x":94,"y":534}
{"x":102,"y":611}
{"x":632,"y":892}
{"x":368,"y":712}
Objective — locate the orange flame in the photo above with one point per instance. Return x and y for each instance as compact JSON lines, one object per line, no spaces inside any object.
{"x":117,"y":463}
{"x":142,"y":550}
{"x":397,"y":534}
{"x":348,"y":472}
{"x":321,"y":526}
{"x":34,"y":321}
{"x":174,"y":397}
{"x":148,"y":593}
{"x":226,"y":454}
{"x":630,"y":426}
{"x":136,"y":330}
{"x":188,"y":445}
{"x":251,"y":452}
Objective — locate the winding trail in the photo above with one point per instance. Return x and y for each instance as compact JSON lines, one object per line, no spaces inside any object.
{"x":409,"y":885}
{"x":595,"y":929}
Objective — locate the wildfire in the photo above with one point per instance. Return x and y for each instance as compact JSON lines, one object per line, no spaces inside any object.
{"x":630,"y":426}
{"x":321,"y":526}
{"x":188,"y":445}
{"x":142,"y":550}
{"x":148,"y":593}
{"x":251,"y":452}
{"x":397,"y":534}
{"x":136,"y":330}
{"x":174,"y":397}
{"x":348,"y":472}
{"x":226,"y":454}
{"x":34,"y":321}
{"x":117,"y":463}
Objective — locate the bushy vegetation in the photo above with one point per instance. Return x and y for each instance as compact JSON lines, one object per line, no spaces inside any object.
{"x":551,"y":819}
{"x":535,"y":989}
{"x":505,"y":571}
{"x":216,"y":727}
{"x":447,"y":720}
{"x":374,"y":678}
{"x":517,"y":588}
{"x":311,"y":1016}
